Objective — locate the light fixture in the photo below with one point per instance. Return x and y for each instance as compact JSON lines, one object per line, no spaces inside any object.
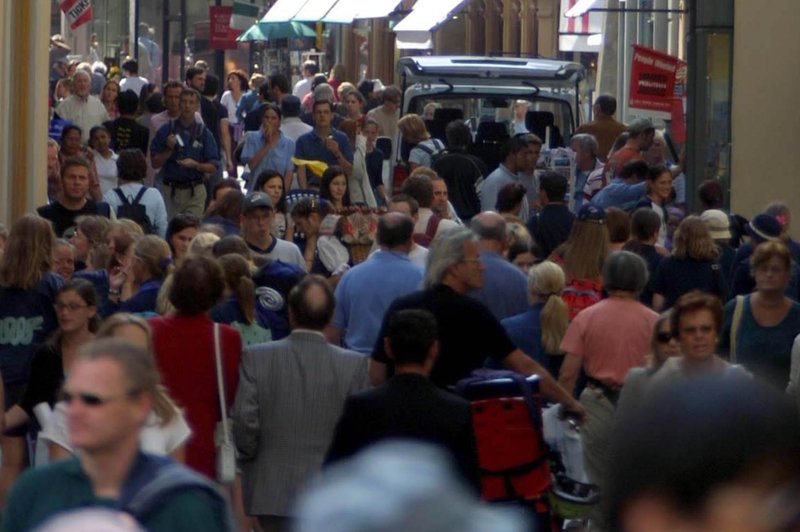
{"x":580,"y":8}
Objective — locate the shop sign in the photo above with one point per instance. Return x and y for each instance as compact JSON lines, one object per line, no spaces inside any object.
{"x":653,"y":76}
{"x":222,"y":36}
{"x":77,"y":12}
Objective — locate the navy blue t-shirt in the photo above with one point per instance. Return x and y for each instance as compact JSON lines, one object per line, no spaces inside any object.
{"x":551,"y":227}
{"x":675,"y":277}
{"x":27,"y":318}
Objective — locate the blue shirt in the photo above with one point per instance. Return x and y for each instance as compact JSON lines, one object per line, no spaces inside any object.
{"x":278,"y":158}
{"x":311,"y":146}
{"x":525,"y":331}
{"x":765,"y":351}
{"x":27,"y":318}
{"x":365,"y":293}
{"x":505,"y":287}
{"x":142,"y":302}
{"x":246,"y":104}
{"x":198,"y":144}
{"x":617,"y":193}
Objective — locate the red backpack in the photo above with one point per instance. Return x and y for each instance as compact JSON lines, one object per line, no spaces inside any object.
{"x":581,"y":293}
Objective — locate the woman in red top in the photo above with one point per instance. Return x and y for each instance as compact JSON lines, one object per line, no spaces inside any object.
{"x":184,"y":348}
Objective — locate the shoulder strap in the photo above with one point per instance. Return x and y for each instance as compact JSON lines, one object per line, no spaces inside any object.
{"x":221,"y":384}
{"x":433,"y":225}
{"x":424,"y":148}
{"x":140,"y":195}
{"x":738,"y":311}
{"x":104,"y":209}
{"x":122,"y":198}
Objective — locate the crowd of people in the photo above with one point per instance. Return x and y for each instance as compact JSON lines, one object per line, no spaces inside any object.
{"x":165,"y":307}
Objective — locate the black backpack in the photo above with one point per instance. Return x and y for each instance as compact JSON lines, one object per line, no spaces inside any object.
{"x":135,"y":211}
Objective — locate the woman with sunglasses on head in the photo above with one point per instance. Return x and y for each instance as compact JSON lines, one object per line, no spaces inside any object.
{"x":27,"y":295}
{"x":166,"y":430}
{"x":76,"y":310}
{"x":664,"y":346}
{"x":697,"y":321}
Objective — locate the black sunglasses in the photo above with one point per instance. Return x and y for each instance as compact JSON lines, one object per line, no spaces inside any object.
{"x":664,"y":337}
{"x":90,"y":399}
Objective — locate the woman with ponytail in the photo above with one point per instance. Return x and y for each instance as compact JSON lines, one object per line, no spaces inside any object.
{"x":539,"y":330}
{"x":239,"y":307}
{"x":150,"y":263}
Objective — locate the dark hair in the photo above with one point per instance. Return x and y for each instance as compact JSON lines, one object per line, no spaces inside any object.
{"x":211,"y":88}
{"x":304,"y":310}
{"x":328,"y":176}
{"x":268,"y":175}
{"x":411,"y":333}
{"x":231,"y":244}
{"x":644,"y":223}
{"x":311,"y":67}
{"x":191,"y":72}
{"x":513,"y":145}
{"x":420,"y":188}
{"x":619,"y":225}
{"x":305,"y":207}
{"x":180,"y":222}
{"x":607,"y":104}
{"x":197,"y":285}
{"x":365,"y":86}
{"x":241,"y":76}
{"x":131,"y":66}
{"x":75,"y":160}
{"x":127,"y":102}
{"x":263,"y":91}
{"x":193,"y":93}
{"x":458,"y":134}
{"x":731,"y":431}
{"x":523,"y":246}
{"x":711,"y":194}
{"x":320,"y":102}
{"x":281,"y":82}
{"x":229,"y":206}
{"x":509,"y":197}
{"x":766,"y":251}
{"x":318,"y":80}
{"x":229,"y":183}
{"x":238,"y":280}
{"x":67,"y":129}
{"x":131,"y":165}
{"x":93,"y":132}
{"x":693,"y":302}
{"x":655,"y":171}
{"x":405,"y":198}
{"x":155,"y":103}
{"x":636,"y":168}
{"x":269,"y":106}
{"x":85,"y":290}
{"x":554,"y":185}
{"x":394,"y":229}
{"x":391,"y":93}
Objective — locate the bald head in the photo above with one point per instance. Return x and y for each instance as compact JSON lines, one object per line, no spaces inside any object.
{"x":394,"y":231}
{"x":489,"y":226}
{"x":311,"y":304}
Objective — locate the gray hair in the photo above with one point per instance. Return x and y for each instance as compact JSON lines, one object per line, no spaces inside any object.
{"x":625,"y":271}
{"x":323,"y":91}
{"x":447,"y":250}
{"x":587,"y":142}
{"x":489,"y":228}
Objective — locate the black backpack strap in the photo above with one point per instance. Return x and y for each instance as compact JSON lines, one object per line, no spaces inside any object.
{"x":139,"y":196}
{"x":424,"y":148}
{"x":104,"y":209}
{"x":122,"y":198}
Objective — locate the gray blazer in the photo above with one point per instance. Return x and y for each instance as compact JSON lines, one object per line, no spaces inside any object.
{"x":290,"y":396}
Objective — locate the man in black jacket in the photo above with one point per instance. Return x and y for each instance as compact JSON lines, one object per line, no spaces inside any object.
{"x":462,"y":172}
{"x":409,"y":405}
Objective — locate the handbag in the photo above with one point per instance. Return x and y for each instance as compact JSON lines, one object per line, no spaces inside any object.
{"x":226,"y":453}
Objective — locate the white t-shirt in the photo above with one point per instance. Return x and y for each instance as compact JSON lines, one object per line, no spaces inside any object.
{"x":230,"y":104}
{"x":154,"y":438}
{"x":106,"y":171}
{"x":134,"y":84}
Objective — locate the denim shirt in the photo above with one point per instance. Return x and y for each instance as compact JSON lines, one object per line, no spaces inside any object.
{"x":198,"y":144}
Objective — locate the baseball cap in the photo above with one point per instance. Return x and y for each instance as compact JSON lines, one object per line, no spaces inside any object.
{"x":255,"y":200}
{"x":718,"y":223}
{"x":764,"y":227}
{"x":591,"y":213}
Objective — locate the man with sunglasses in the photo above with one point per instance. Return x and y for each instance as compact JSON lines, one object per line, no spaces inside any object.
{"x":108,"y":396}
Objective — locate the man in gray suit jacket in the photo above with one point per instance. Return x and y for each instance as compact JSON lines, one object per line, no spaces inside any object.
{"x":290,"y":395}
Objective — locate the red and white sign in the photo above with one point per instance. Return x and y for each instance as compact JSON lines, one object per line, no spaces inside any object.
{"x":222,"y":37}
{"x":78,"y":12}
{"x":653,"y":76}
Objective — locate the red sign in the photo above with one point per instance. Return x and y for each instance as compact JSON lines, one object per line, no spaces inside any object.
{"x":77,"y":12}
{"x":222,"y":36}
{"x":653,"y":79}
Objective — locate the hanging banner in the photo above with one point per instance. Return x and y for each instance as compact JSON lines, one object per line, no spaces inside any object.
{"x":77,"y":12}
{"x":222,"y":37}
{"x":653,"y":79}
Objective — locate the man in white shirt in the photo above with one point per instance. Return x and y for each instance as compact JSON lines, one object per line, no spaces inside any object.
{"x":81,"y":108}
{"x":132,"y":80}
{"x":303,"y":87}
{"x":291,"y":125}
{"x":428,"y":225}
{"x":256,"y":221}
